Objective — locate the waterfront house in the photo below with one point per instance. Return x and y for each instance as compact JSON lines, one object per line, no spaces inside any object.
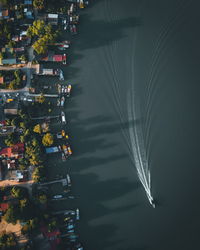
{"x":52,"y":19}
{"x":18,"y":175}
{"x":52,"y":57}
{"x":42,"y":71}
{"x":53,"y":237}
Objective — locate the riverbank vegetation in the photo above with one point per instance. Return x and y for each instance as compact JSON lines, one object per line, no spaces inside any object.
{"x":12,"y":79}
{"x":42,"y":34}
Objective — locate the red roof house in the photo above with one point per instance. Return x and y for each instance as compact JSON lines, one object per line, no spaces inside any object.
{"x":15,"y":151}
{"x":4,"y":206}
{"x":51,"y":57}
{"x":53,"y":237}
{"x":1,"y":80}
{"x":57,"y":58}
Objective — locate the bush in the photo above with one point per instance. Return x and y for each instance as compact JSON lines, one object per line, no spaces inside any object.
{"x":37,"y":129}
{"x":47,"y":139}
{"x":38,"y":174}
{"x":7,"y":241}
{"x":38,"y":4}
{"x":12,"y":215}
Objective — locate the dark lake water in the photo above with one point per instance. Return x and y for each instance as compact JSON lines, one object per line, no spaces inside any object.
{"x":147,"y":52}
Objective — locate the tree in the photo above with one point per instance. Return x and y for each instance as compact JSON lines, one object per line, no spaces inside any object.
{"x":52,"y":225}
{"x":40,"y":46}
{"x":35,"y":143}
{"x":15,"y":121}
{"x":30,"y":226}
{"x":38,"y":4}
{"x":11,"y":215}
{"x":12,"y":85}
{"x":7,"y":241}
{"x":35,"y":159}
{"x":4,"y":2}
{"x":38,"y":174}
{"x":37,"y":129}
{"x":23,"y":125}
{"x":23,"y":163}
{"x":11,"y":43}
{"x":23,"y":203}
{"x":44,"y":33}
{"x":18,"y":192}
{"x":37,"y":29}
{"x":47,"y":139}
{"x":12,"y":139}
{"x":26,"y":209}
{"x":23,"y":58}
{"x":42,"y":198}
{"x":41,"y":98}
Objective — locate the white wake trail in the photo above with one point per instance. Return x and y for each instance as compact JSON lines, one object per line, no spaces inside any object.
{"x":138,"y":149}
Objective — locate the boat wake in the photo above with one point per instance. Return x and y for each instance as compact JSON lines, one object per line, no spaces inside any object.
{"x":138,"y":149}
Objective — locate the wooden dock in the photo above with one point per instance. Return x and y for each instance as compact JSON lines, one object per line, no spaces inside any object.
{"x":62,"y":181}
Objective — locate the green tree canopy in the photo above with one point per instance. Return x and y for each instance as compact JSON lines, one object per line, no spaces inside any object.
{"x":12,"y":139}
{"x":19,"y":192}
{"x":11,"y":215}
{"x":7,"y":241}
{"x":38,"y":174}
{"x":37,"y":129}
{"x":38,"y":4}
{"x":40,"y":98}
{"x":47,"y":139}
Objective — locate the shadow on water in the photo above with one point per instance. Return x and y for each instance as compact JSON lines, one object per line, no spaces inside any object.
{"x":94,"y":208}
{"x":94,"y":34}
{"x":98,"y":33}
{"x":96,"y":195}
{"x":91,"y":135}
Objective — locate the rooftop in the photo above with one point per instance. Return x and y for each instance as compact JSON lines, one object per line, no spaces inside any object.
{"x":15,"y":151}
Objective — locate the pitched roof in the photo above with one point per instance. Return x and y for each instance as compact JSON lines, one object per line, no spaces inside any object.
{"x":8,"y":61}
{"x":4,"y":206}
{"x":12,"y":107}
{"x":58,"y":58}
{"x":13,"y":151}
{"x":5,"y":13}
{"x":1,"y":79}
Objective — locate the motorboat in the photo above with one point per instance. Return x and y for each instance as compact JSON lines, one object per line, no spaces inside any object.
{"x":68,"y":180}
{"x":62,"y":101}
{"x":77,"y":214}
{"x":58,"y":196}
{"x":63,"y":119}
{"x":63,"y":157}
{"x":68,"y":90}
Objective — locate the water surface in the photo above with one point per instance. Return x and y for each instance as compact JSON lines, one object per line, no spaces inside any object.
{"x":148,"y":50}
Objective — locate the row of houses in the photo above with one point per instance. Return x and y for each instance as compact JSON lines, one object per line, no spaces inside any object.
{"x":9,"y":164}
{"x":19,"y":18}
